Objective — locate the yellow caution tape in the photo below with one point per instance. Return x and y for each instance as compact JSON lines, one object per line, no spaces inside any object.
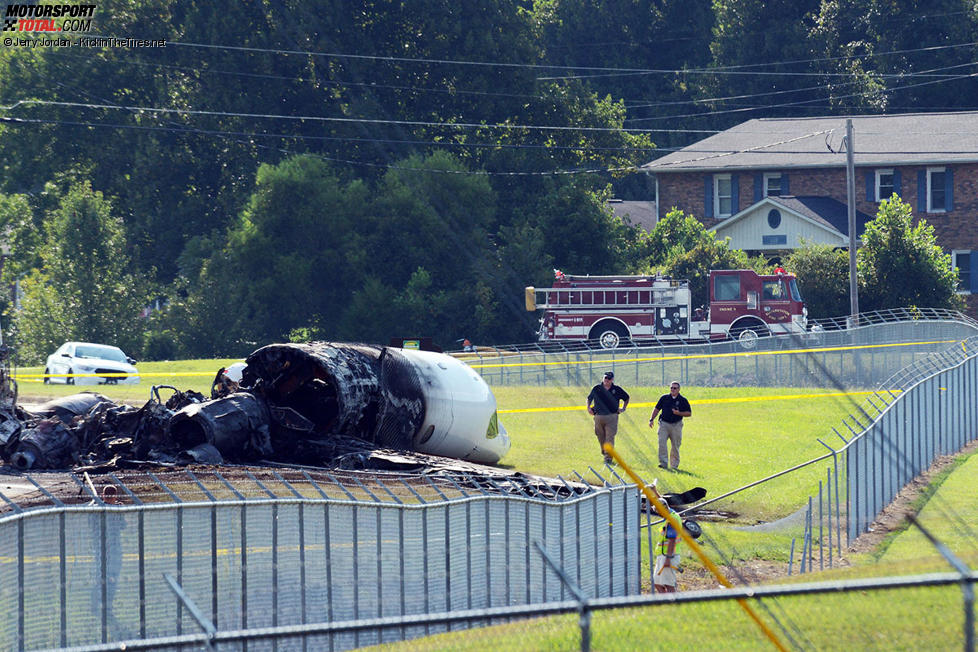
{"x":704,"y":356}
{"x":707,"y":401}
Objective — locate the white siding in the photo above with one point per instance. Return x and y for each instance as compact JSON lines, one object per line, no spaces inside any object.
{"x":748,"y":231}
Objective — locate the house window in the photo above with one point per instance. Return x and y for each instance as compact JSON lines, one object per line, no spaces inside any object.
{"x":772,"y":184}
{"x":936,"y":194}
{"x":722,"y":195}
{"x":962,"y":260}
{"x":884,"y":184}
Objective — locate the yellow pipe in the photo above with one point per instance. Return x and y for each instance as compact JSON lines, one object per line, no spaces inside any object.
{"x":678,"y":527}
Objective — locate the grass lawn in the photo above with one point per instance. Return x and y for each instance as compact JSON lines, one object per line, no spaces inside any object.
{"x":182,"y":374}
{"x":735,"y":436}
{"x":949,"y":511}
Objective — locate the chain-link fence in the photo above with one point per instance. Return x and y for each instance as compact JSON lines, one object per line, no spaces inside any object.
{"x":858,"y":356}
{"x":95,"y":573}
{"x":933,"y":611}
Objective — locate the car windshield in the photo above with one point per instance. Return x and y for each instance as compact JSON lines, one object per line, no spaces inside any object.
{"x":99,"y":351}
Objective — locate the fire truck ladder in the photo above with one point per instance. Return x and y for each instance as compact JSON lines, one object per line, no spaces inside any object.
{"x":608,"y":297}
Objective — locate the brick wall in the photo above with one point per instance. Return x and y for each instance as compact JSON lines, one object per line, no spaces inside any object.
{"x":957,"y":229}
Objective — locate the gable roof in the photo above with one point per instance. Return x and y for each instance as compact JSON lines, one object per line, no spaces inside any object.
{"x":785,"y":143}
{"x":636,"y":213}
{"x":826,"y":212}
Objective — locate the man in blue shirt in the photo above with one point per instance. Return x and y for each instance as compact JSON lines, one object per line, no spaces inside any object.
{"x":603,"y":404}
{"x":673,"y":407}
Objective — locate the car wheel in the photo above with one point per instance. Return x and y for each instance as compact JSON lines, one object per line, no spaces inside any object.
{"x":47,"y":378}
{"x":69,"y":379}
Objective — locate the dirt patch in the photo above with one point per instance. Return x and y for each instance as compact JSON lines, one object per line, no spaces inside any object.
{"x":893,"y":517}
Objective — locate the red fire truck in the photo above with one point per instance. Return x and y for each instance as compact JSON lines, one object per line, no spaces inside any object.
{"x":611,"y":310}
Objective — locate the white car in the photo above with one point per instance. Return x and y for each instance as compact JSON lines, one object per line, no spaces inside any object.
{"x":84,"y":363}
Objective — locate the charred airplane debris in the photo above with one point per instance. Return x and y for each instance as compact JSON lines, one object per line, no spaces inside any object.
{"x":320,"y":403}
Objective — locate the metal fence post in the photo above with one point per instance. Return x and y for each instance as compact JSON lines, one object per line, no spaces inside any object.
{"x":209,"y":629}
{"x":583,"y":609}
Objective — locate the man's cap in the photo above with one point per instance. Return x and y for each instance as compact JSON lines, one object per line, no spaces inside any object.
{"x":609,"y":374}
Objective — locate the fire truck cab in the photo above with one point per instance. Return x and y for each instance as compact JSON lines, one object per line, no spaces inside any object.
{"x":612,"y":310}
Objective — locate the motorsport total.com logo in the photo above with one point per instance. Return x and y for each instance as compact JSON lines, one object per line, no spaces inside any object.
{"x":48,"y":18}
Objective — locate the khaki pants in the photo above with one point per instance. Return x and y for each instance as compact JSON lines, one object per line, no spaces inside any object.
{"x":674,"y":432}
{"x":665,"y":575}
{"x":605,"y":429}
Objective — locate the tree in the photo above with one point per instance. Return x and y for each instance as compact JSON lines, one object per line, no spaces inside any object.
{"x":900,"y":264}
{"x":83,"y":290}
{"x":695,"y":264}
{"x":823,"y":278}
{"x":676,"y":232}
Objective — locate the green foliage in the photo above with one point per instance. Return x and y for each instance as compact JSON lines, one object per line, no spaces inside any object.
{"x":42,"y":324}
{"x":695,"y":265}
{"x":160,"y":345}
{"x":900,"y":263}
{"x":213,"y":203}
{"x":24,"y":232}
{"x":671,"y":235}
{"x":823,"y":278}
{"x":83,"y":290}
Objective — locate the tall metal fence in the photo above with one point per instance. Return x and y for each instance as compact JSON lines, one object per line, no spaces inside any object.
{"x":936,"y":416}
{"x":873,"y":347}
{"x":926,"y":410}
{"x":94,"y":573}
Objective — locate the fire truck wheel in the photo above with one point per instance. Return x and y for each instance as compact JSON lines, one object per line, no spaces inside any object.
{"x":611,"y":335}
{"x":747,"y":335}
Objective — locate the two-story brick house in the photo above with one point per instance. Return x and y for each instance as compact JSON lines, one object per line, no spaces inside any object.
{"x":769,"y":183}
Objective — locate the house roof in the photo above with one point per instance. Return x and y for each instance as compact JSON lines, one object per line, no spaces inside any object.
{"x":785,"y":143}
{"x":825,"y":211}
{"x":828,"y":213}
{"x":636,"y":213}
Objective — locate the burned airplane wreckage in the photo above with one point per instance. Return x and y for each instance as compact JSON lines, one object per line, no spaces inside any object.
{"x":317,"y":403}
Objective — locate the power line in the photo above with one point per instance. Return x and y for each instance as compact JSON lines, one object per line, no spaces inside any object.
{"x":532,"y":66}
{"x":312,"y":118}
{"x":355,"y":139}
{"x":795,"y":90}
{"x":803,"y":102}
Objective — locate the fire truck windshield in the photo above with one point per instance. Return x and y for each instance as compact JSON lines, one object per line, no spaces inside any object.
{"x":793,"y":288}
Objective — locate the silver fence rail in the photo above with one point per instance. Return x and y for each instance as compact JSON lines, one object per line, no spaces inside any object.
{"x":84,"y":574}
{"x":875,"y":317}
{"x":855,"y":357}
{"x":795,"y":618}
{"x":935,"y":416}
{"x":924,"y":411}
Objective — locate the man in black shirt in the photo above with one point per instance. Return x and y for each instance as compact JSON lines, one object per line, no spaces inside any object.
{"x":673,"y":407}
{"x":603,"y":402}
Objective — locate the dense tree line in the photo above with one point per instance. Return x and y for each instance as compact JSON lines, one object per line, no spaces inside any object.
{"x":320,"y":171}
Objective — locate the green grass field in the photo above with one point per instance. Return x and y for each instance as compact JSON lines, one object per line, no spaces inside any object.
{"x":736,"y":436}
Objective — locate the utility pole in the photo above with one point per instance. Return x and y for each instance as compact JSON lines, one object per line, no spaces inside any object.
{"x":851,"y":198}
